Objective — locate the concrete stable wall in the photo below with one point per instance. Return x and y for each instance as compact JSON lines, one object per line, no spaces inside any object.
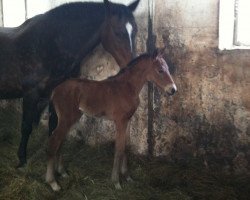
{"x":210,"y":115}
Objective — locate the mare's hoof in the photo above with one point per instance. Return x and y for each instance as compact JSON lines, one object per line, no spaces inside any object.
{"x":21,"y":166}
{"x":118,"y":186}
{"x":55,"y":187}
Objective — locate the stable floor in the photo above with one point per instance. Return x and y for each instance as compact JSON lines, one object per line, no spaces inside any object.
{"x":89,"y":171}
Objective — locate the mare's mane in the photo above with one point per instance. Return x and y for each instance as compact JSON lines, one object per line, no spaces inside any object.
{"x":78,"y":8}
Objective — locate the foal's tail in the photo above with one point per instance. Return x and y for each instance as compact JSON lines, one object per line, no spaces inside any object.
{"x":52,"y":116}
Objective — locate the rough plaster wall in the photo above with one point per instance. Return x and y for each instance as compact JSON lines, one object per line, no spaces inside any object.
{"x":209,"y":116}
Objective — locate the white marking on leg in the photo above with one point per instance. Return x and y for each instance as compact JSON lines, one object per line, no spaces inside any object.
{"x":129,"y":30}
{"x":81,"y":109}
{"x":55,"y":187}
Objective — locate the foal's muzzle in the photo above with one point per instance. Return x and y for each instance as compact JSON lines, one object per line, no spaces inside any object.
{"x":171,"y":89}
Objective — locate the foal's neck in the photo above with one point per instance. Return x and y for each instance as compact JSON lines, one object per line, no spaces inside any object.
{"x":136,"y":75}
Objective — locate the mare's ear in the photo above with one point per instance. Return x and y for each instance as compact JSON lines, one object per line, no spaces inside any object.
{"x":133,"y":5}
{"x":107,"y":8}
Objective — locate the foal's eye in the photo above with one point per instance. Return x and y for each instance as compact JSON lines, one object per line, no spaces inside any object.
{"x":160,"y":71}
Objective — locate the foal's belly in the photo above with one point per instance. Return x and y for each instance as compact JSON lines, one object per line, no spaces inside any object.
{"x":88,"y":111}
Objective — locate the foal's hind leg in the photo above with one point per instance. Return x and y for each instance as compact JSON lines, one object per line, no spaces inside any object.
{"x":55,"y":142}
{"x":124,"y":165}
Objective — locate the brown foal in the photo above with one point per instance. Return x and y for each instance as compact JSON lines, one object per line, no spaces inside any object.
{"x":115,"y":98}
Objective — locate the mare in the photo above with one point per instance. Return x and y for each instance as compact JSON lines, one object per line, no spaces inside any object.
{"x":48,"y":48}
{"x":115,"y":98}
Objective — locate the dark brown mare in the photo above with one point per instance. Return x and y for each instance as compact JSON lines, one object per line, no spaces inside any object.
{"x":115,"y":98}
{"x":48,"y":48}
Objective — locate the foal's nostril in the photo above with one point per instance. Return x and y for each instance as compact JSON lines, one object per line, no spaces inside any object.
{"x":170,"y":89}
{"x":173,"y":90}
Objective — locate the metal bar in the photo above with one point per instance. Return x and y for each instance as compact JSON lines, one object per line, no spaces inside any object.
{"x":150,"y":48}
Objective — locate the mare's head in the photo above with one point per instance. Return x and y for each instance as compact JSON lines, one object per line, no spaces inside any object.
{"x":119,"y":30}
{"x":158,"y":73}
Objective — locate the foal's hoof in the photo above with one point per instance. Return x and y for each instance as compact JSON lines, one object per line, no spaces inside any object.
{"x":55,"y":187}
{"x":129,"y":179}
{"x":65,"y":175}
{"x":118,"y":186}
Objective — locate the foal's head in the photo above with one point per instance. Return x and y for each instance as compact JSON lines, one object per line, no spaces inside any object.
{"x":158,"y":73}
{"x":119,"y":30}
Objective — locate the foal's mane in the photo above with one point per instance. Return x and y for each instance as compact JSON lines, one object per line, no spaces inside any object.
{"x":131,"y":64}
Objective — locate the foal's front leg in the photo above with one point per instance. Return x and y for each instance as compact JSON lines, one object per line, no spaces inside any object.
{"x":60,"y":166}
{"x":120,"y":143}
{"x":53,"y":147}
{"x":124,"y":166}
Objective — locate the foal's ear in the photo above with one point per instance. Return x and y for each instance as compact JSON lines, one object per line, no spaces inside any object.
{"x":155,"y":53}
{"x":133,"y":5}
{"x":158,"y":52}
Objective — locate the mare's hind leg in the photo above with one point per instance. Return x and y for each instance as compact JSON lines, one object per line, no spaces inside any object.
{"x":29,"y":114}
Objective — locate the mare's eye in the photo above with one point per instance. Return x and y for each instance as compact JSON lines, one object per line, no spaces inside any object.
{"x":120,"y":34}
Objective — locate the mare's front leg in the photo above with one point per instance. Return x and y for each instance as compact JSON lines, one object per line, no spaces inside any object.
{"x":120,"y":143}
{"x":29,"y":113}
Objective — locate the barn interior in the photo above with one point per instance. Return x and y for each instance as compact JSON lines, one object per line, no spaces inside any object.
{"x":193,"y":145}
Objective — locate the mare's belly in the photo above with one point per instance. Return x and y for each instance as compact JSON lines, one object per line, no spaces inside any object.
{"x":10,"y":86}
